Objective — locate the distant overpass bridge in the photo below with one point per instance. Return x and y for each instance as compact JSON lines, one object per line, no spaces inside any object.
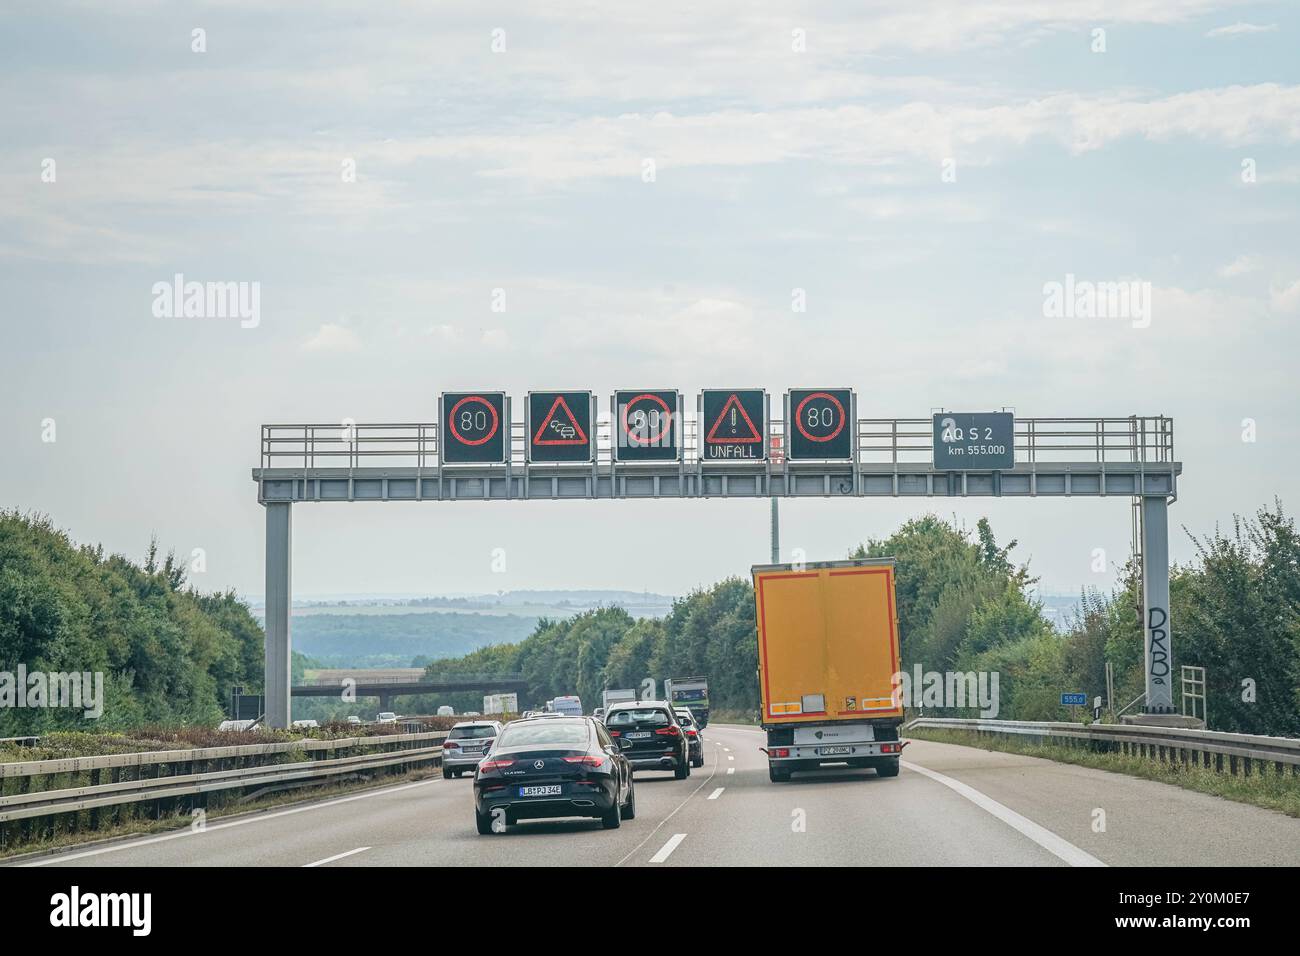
{"x":388,"y":684}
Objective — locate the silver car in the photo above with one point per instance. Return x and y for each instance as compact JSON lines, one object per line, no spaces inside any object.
{"x":466,"y":745}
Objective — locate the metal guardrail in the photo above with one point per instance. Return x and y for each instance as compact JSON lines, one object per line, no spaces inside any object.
{"x":1204,"y":748}
{"x":30,"y":803}
{"x":880,"y":441}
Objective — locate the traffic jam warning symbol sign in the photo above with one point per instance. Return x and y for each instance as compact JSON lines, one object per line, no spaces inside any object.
{"x":735,"y":424}
{"x":474,"y":428}
{"x":559,"y":427}
{"x":818,"y":424}
{"x":645,"y":425}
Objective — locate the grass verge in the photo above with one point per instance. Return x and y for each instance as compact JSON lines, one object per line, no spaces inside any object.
{"x":1265,"y":787}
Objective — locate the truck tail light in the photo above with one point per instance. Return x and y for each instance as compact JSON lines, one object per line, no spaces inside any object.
{"x":778,"y":752}
{"x":890,"y":749}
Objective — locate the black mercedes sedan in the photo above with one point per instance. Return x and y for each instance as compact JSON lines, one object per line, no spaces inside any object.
{"x":557,"y":767}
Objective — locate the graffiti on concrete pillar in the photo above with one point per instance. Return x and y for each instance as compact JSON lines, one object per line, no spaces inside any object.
{"x":1158,"y":635}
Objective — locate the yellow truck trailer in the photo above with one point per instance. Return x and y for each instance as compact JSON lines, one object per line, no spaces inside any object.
{"x":827,"y":659}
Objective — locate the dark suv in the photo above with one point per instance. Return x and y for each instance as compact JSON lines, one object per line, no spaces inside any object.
{"x":655,"y":739}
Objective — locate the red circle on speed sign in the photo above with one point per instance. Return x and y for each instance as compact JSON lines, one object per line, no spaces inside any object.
{"x":479,"y":399}
{"x":652,"y":439}
{"x":798,"y":416}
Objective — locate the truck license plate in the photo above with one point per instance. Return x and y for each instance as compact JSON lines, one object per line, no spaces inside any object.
{"x":833,"y":751}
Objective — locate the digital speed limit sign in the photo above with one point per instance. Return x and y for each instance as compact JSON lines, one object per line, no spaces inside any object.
{"x":474,"y":427}
{"x":647,"y":425}
{"x":819,"y":424}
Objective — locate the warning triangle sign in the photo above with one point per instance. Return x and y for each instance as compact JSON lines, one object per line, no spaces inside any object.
{"x":554,"y":430}
{"x":734,"y":426}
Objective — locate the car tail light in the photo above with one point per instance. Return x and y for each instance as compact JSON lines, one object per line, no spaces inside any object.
{"x":670,"y":731}
{"x":494,"y":764}
{"x":586,"y":761}
{"x":690,"y":733}
{"x":450,"y":743}
{"x":778,"y":752}
{"x":616,"y":733}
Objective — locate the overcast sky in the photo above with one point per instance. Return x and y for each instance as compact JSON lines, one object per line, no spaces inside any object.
{"x":504,"y":146}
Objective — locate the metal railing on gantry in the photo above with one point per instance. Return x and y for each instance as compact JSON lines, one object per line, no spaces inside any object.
{"x":880,"y":442}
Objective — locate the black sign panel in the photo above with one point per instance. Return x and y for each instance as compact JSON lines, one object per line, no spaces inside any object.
{"x":473,"y":428}
{"x":559,"y":427}
{"x":733,"y":424}
{"x":981,"y":441}
{"x":819,"y":426}
{"x":646,"y":425}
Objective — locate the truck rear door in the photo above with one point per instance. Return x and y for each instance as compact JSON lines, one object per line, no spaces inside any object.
{"x":828,"y":641}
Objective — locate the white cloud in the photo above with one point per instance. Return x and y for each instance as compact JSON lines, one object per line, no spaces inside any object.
{"x":1240,"y":266}
{"x":1237,"y":29}
{"x":495,"y":338}
{"x":332,"y":337}
{"x":854,"y":135}
{"x":1286,"y":300}
{"x":446,"y":333}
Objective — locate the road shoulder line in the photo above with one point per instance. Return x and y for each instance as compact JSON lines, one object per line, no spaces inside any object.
{"x":1057,"y":846}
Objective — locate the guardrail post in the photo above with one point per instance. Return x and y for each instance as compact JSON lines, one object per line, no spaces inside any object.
{"x":279,"y":575}
{"x":1157,"y":637}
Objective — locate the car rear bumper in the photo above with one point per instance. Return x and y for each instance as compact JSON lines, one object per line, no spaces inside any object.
{"x":655,"y":761}
{"x":588,"y":802}
{"x":460,"y":761}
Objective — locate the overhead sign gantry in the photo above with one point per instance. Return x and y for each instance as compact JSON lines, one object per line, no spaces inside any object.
{"x":648,"y":449}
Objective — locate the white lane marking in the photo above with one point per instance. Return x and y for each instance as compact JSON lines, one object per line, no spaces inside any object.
{"x":726,"y":750}
{"x":730,"y":771}
{"x":666,"y":850}
{"x":660,"y":824}
{"x":731,"y":758}
{"x":256,"y":818}
{"x":336,"y":856}
{"x":716,"y":793}
{"x":1045,"y":838}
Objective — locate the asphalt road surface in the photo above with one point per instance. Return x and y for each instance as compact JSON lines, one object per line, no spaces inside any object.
{"x":950,"y":806}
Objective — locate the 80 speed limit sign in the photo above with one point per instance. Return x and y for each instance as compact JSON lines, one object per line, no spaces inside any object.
{"x":474,"y":426}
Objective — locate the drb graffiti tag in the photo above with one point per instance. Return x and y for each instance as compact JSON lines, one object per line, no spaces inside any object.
{"x":1157,"y":618}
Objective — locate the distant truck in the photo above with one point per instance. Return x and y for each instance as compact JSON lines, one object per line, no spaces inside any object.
{"x":501,"y":704}
{"x":692,"y":692}
{"x":611,"y":697}
{"x":570,"y":706}
{"x":827,"y":655}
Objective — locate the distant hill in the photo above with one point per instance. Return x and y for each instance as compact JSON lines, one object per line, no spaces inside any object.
{"x":527,"y":603}
{"x":392,"y":630}
{"x":395,"y":640}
